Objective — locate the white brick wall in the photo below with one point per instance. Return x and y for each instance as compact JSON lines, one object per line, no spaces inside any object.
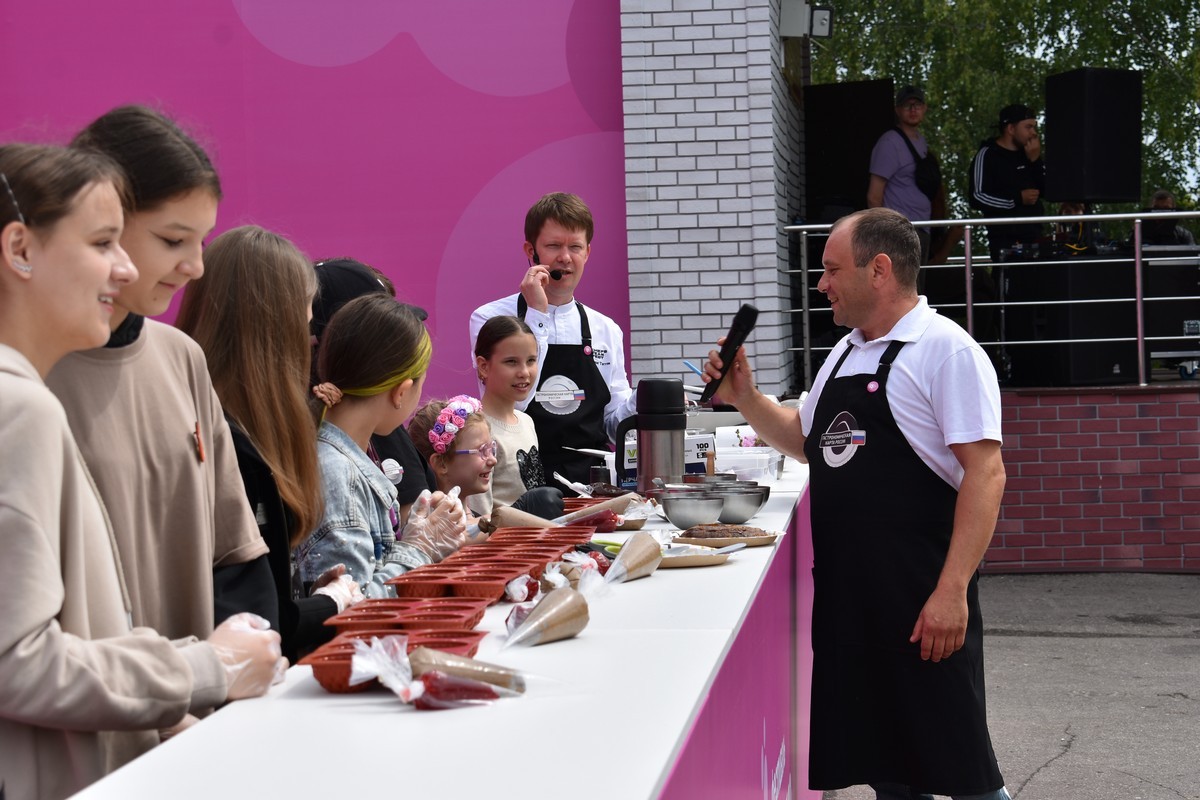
{"x":712,"y":174}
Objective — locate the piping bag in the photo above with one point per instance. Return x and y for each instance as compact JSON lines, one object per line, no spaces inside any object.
{"x":560,"y":613}
{"x":617,"y":505}
{"x":639,"y":557}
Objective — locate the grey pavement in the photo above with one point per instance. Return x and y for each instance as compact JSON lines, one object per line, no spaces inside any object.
{"x":1093,"y":685}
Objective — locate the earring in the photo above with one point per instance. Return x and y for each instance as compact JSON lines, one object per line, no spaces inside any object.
{"x":22,"y":266}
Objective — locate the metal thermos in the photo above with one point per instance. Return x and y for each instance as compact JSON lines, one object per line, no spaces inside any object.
{"x":660,"y":422}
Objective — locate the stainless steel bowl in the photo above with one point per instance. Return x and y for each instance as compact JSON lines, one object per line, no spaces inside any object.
{"x":717,"y":478}
{"x":685,"y":511}
{"x":740,"y":504}
{"x":696,"y":488}
{"x":750,"y":485}
{"x":658,"y":494}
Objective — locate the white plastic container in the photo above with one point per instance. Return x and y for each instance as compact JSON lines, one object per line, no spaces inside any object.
{"x":750,"y":463}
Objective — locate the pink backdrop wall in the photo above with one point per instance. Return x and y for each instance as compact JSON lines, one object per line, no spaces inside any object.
{"x":411,"y":135}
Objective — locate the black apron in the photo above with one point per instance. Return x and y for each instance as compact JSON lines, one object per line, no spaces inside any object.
{"x":881,"y":527}
{"x":568,"y":406}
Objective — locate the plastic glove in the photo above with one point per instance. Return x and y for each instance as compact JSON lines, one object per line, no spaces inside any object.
{"x":249,"y":650}
{"x":344,"y":591}
{"x":437,"y":524}
{"x":328,"y":576}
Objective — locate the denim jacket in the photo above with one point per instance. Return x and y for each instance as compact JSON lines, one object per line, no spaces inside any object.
{"x":360,"y":504}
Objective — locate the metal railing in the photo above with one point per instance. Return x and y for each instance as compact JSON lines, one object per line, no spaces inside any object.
{"x":968,"y":263}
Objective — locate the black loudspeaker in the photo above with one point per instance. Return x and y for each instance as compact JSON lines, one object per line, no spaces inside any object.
{"x":1172,"y":271}
{"x":1074,"y":363}
{"x":1094,"y":136}
{"x":842,"y":122}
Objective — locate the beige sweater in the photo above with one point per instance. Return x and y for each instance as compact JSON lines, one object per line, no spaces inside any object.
{"x":80,"y":692}
{"x":134,"y":411}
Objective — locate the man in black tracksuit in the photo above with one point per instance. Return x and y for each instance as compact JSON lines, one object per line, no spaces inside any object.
{"x":1008,"y":178}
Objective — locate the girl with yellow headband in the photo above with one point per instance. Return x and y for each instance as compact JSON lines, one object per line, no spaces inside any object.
{"x":371,"y":366}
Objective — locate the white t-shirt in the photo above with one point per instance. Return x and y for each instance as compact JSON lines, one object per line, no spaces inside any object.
{"x":515,"y":446}
{"x":942,"y":389}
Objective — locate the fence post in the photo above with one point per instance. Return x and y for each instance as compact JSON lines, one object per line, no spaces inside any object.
{"x":1138,"y":302}
{"x":967,"y":265}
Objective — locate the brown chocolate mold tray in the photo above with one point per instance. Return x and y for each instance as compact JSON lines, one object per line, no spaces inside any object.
{"x":533,"y":567}
{"x":460,"y":642}
{"x":487,"y":587}
{"x":574,"y":503}
{"x":331,"y":663}
{"x":470,"y":609}
{"x":551,"y":549}
{"x":418,"y":588}
{"x":502,"y":533}
{"x":450,"y":640}
{"x":347,"y":621}
{"x":507,"y":571}
{"x":582,"y":533}
{"x":500,"y":542}
{"x":332,"y":671}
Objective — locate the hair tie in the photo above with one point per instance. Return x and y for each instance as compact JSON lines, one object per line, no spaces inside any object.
{"x":328,"y":394}
{"x":451,"y":419}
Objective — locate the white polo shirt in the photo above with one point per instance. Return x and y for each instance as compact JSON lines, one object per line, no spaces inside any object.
{"x":942,"y":389}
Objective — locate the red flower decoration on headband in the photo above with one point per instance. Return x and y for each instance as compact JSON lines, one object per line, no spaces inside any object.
{"x":451,"y":419}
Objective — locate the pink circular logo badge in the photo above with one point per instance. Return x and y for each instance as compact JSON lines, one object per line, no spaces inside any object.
{"x":587,"y":350}
{"x":873,"y":386}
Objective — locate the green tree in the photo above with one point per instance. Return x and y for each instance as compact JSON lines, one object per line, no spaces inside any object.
{"x":973,"y":58}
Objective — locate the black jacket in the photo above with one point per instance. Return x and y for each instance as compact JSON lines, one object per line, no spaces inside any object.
{"x":998,"y":176}
{"x":300,"y":619}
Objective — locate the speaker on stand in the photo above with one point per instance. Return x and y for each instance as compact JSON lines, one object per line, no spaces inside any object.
{"x":842,"y":122}
{"x":1093,"y":136}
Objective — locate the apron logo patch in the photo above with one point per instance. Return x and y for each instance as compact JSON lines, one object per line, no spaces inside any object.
{"x":559,"y":395}
{"x":841,"y":441}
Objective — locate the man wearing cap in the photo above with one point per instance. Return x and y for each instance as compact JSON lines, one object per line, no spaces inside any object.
{"x":904,"y":174}
{"x":1007,"y":179}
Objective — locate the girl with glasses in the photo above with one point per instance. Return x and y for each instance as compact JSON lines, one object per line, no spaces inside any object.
{"x":456,"y":439}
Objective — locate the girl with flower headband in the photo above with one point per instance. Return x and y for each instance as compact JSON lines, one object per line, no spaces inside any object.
{"x":454,"y":436}
{"x":371,"y":365}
